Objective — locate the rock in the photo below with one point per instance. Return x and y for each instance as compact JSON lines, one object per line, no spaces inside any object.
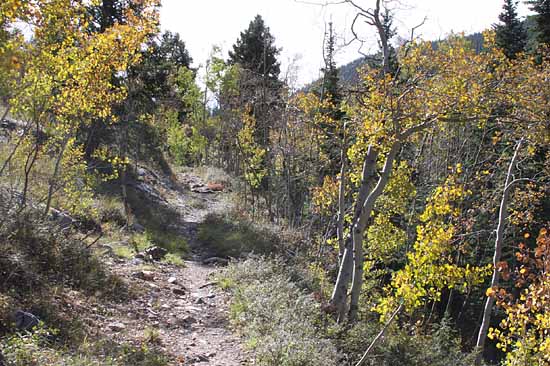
{"x":186,"y":320}
{"x":216,"y":187}
{"x":107,"y":249}
{"x":116,"y":326}
{"x":138,"y":228}
{"x":215,"y":260}
{"x":141,"y":172}
{"x":172,"y":280}
{"x":144,"y":275}
{"x":202,"y":189}
{"x":25,"y":321}
{"x":200,"y":301}
{"x":63,"y":219}
{"x":157,"y":253}
{"x":179,"y":291}
{"x":137,"y":261}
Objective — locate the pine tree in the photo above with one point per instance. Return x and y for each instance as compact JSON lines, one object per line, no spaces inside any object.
{"x":387,"y":24}
{"x":510,"y":34}
{"x":542,"y":19}
{"x":256,"y":55}
{"x":255,"y":50}
{"x":332,"y":98}
{"x":330,"y":86}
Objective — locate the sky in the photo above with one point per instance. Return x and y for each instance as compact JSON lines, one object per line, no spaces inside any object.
{"x":298,"y":27}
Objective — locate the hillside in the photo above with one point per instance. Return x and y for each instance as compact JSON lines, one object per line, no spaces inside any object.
{"x":162,"y":204}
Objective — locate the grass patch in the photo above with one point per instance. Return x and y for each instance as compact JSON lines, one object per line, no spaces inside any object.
{"x":280,"y":322}
{"x":232,"y":236}
{"x":124,"y":251}
{"x":174,"y":259}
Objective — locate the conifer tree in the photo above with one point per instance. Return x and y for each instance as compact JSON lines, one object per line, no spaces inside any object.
{"x":331,"y":98}
{"x":510,"y":34}
{"x":255,"y":50}
{"x":387,"y":25}
{"x":542,"y":20}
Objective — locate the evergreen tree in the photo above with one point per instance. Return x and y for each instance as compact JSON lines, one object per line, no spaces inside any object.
{"x":255,"y":51}
{"x":160,"y":63}
{"x":542,"y":19}
{"x":256,"y":55}
{"x":387,"y":24}
{"x":510,"y":34}
{"x":331,"y":94}
{"x":330,"y":88}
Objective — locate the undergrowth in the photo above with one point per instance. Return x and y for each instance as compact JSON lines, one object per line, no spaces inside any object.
{"x":42,"y":267}
{"x":231,"y":235}
{"x":281,"y":323}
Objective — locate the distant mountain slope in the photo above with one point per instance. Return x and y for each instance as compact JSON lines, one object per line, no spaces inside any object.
{"x":348,"y":72}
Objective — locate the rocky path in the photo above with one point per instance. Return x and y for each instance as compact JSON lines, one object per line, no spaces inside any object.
{"x":178,"y":308}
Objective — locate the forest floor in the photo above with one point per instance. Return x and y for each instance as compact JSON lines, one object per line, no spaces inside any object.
{"x":180,"y":308}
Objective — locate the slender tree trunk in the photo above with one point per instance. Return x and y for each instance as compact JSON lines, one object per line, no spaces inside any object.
{"x":14,"y":150}
{"x":6,"y":111}
{"x":341,"y":199}
{"x":499,"y":242}
{"x":345,"y":273}
{"x":55,"y":174}
{"x":380,"y":335}
{"x":29,"y":164}
{"x":361,"y":226}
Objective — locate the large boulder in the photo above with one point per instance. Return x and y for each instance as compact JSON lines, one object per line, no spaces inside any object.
{"x":156,"y":253}
{"x":25,"y":321}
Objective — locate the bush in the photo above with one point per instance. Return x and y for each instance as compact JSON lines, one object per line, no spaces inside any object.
{"x":439,"y":347}
{"x":39,"y":348}
{"x":36,"y":253}
{"x":280,"y":322}
{"x":111,"y":210}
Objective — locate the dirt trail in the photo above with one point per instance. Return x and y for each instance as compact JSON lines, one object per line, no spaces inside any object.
{"x":179,"y":308}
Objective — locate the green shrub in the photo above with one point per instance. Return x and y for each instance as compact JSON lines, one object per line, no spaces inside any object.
{"x":279,"y":321}
{"x":111,"y":210}
{"x":40,"y":347}
{"x":403,"y":347}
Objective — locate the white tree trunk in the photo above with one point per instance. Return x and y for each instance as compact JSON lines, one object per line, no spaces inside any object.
{"x":499,"y":241}
{"x":361,"y":226}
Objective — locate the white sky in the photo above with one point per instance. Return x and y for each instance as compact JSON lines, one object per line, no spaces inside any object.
{"x":298,"y":28}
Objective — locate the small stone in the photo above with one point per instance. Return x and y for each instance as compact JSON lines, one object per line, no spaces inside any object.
{"x":215,"y":260}
{"x":116,"y":327}
{"x":172,"y":280}
{"x":144,"y":275}
{"x":178,"y":291}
